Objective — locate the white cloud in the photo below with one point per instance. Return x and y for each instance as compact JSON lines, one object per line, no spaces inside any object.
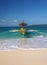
{"x":15,"y":21}
{"x":4,"y":22}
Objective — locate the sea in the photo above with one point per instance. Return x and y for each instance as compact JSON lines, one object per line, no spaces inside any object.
{"x":36,"y":37}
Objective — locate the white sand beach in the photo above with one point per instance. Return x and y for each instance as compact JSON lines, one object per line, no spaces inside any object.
{"x":17,"y":52}
{"x":24,"y":57}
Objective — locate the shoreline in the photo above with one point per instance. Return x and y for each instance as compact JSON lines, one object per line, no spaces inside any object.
{"x":23,"y":43}
{"x":29,"y":49}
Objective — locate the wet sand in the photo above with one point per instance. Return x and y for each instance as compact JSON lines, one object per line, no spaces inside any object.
{"x":23,"y":57}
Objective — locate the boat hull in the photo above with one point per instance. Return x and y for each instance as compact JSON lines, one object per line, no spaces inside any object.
{"x":23,"y":31}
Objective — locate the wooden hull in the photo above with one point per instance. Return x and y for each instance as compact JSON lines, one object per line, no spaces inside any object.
{"x":23,"y":31}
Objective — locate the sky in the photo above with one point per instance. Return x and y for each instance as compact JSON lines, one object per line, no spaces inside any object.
{"x":13,"y":12}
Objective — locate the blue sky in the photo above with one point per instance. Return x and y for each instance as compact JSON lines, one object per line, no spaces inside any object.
{"x":12,"y":12}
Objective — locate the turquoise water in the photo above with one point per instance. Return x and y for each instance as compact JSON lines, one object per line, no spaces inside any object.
{"x":32,"y":39}
{"x":41,"y":30}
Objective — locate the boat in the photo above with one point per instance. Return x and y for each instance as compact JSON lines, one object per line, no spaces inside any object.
{"x":23,"y":30}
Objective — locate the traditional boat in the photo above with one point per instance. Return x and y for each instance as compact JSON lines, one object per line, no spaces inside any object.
{"x":23,"y":30}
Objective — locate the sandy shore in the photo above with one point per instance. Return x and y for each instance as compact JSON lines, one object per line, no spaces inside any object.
{"x":23,"y":57}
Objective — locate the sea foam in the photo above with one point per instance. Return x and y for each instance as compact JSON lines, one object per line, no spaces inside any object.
{"x":24,"y":43}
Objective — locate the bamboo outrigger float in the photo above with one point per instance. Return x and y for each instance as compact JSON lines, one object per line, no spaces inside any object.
{"x":23,"y":29}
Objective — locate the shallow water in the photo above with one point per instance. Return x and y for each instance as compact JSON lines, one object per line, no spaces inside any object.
{"x":15,"y":40}
{"x":38,"y":30}
{"x":26,"y":43}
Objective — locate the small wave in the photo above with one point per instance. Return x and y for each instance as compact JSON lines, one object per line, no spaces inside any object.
{"x":17,"y":48}
{"x":40,"y":32}
{"x":36,"y":42}
{"x":39,"y":36}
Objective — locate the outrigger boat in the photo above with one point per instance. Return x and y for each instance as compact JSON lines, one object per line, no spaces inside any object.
{"x":23,"y":30}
